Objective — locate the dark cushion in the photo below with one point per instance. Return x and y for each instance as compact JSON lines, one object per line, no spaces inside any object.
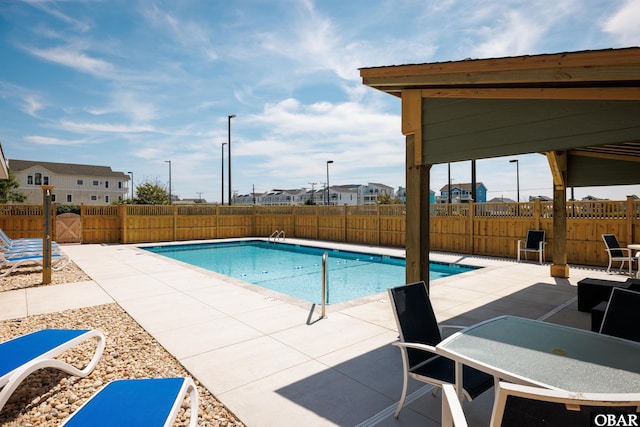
{"x":592,"y":292}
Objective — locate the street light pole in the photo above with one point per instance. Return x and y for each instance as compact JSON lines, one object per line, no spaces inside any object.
{"x":328,"y":192}
{"x":229,"y":140}
{"x":170,"y":200}
{"x":222,"y":180}
{"x":131,"y":173}
{"x":517,"y":176}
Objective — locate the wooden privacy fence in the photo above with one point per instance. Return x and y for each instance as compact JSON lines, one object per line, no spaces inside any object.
{"x":490,"y":229}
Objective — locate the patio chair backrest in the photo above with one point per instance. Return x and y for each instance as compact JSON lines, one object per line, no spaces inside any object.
{"x":524,"y":406}
{"x":611,"y":241}
{"x":415,"y":318}
{"x":534,"y":237}
{"x":622,"y":315}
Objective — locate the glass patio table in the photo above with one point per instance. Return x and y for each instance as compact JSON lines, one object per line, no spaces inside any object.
{"x":547,"y":355}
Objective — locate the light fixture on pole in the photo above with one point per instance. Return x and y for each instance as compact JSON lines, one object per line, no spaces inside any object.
{"x":517,"y":176}
{"x":222,"y":180}
{"x":131,"y":173}
{"x":229,"y":140}
{"x":170,"y":200}
{"x":328,"y":193}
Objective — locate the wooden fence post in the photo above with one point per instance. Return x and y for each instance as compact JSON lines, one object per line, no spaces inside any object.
{"x":537,"y":212}
{"x":630,"y":217}
{"x":379,"y":221}
{"x":122,"y":213}
{"x":344,"y":238}
{"x":472,"y":218}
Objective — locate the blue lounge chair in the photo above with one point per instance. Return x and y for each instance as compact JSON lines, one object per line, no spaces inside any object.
{"x":8,"y":241}
{"x":13,"y":261}
{"x":137,"y":402}
{"x":26,"y":354}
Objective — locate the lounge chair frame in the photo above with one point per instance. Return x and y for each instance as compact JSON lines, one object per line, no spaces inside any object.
{"x":15,"y":260}
{"x":12,"y":376}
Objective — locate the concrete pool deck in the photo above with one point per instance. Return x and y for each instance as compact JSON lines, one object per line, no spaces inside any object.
{"x":270,"y":360}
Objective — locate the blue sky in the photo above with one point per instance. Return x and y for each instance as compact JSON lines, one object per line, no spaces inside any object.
{"x":131,"y":84}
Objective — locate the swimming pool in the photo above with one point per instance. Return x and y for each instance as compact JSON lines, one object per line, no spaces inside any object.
{"x":296,"y":270}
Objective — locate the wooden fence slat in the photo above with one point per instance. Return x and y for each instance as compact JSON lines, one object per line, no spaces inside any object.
{"x":491,"y":229}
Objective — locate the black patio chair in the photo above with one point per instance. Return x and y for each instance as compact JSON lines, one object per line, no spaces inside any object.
{"x":618,"y":253}
{"x":534,"y":243}
{"x":419,"y":334}
{"x":622,"y":315}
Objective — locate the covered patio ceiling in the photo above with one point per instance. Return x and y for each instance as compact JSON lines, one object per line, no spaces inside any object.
{"x":580,"y":109}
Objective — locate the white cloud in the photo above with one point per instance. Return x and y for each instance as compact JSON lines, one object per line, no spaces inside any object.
{"x":624,"y":24}
{"x":516,"y":34}
{"x":80,"y":127}
{"x":128,"y":104}
{"x":76,"y":59}
{"x":49,"y":7}
{"x":45,"y":140}
{"x":27,"y":100}
{"x":187,"y":33}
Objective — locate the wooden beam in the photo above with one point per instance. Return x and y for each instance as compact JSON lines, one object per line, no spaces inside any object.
{"x":412,"y":120}
{"x":560,"y":66}
{"x":558,"y":165}
{"x":586,"y":94}
{"x":612,"y":152}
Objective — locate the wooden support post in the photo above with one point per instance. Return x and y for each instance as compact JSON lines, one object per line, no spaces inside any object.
{"x":558,"y":164}
{"x":417,"y":227}
{"x":418,"y":193}
{"x":46,"y":237}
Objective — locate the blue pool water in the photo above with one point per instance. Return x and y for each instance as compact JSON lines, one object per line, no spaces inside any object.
{"x":296,"y":270}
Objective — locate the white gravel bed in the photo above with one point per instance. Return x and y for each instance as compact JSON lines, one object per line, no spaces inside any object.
{"x":48,"y":396}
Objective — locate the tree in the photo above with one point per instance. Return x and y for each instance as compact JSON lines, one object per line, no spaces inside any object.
{"x":384,"y":199}
{"x":151,"y":193}
{"x":8,"y":190}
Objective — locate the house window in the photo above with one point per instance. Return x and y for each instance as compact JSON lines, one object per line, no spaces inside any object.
{"x":45,"y":180}
{"x":106,"y":199}
{"x":80,"y":182}
{"x":106,"y":184}
{"x":30,"y":180}
{"x":38,"y":178}
{"x":94,"y":197}
{"x":119,"y":184}
{"x":96,"y":183}
{"x":69,"y":198}
{"x":53,"y":197}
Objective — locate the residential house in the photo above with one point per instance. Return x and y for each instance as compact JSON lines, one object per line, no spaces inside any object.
{"x":368,"y":194}
{"x":340,"y":195}
{"x":461,"y":193}
{"x":73,"y":183}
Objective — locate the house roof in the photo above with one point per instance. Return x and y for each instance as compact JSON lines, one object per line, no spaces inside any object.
{"x":67,"y":168}
{"x":462,"y":186}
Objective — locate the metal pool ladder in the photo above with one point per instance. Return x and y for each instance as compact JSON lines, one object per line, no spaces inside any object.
{"x":277,"y":235}
{"x":325,"y":283}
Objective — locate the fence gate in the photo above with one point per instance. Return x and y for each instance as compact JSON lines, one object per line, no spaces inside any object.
{"x":68,"y":228}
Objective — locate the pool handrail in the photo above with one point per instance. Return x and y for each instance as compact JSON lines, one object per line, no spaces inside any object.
{"x":325,"y":256}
